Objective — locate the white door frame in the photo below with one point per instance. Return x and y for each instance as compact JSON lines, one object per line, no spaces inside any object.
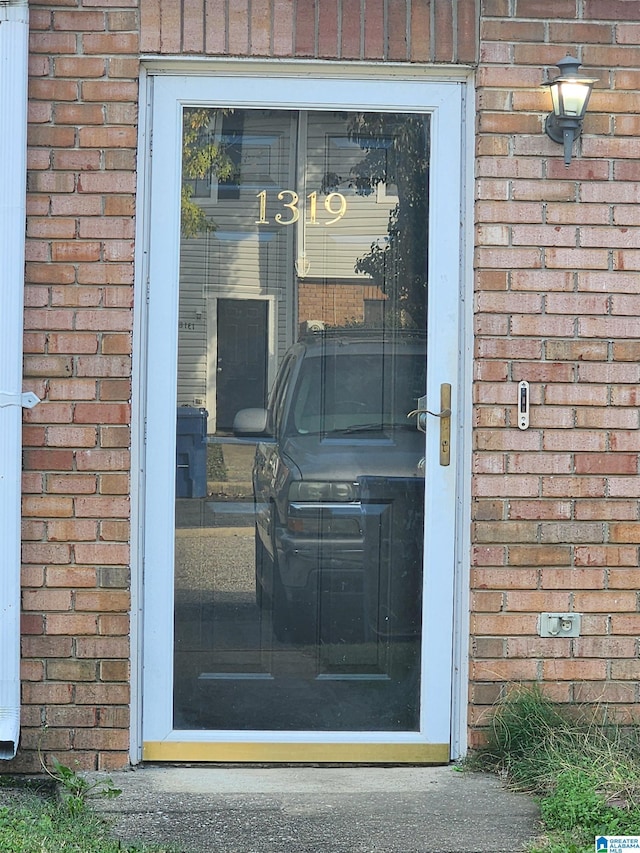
{"x":310,"y":86}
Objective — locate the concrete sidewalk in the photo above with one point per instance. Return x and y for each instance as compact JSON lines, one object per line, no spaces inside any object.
{"x":328,"y":809}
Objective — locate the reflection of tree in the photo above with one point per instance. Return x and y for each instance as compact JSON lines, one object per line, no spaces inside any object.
{"x":201,"y":157}
{"x":397,"y":153}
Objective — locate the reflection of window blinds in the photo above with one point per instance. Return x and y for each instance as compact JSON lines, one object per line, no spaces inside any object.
{"x":231,"y":140}
{"x":332,"y":251}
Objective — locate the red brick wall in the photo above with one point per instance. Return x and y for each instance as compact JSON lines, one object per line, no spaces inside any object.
{"x":335,"y":304}
{"x":555,"y":508}
{"x":392,"y":30}
{"x":78,"y":320}
{"x":556,"y":524}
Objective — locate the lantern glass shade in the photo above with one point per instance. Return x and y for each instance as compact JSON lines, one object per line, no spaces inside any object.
{"x":570,"y":97}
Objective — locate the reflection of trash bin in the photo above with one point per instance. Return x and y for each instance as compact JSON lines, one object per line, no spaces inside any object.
{"x":191,"y":452}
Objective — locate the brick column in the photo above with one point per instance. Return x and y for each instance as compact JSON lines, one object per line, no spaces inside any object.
{"x":78,"y":320}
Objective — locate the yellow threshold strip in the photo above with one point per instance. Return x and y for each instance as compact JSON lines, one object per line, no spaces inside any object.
{"x":308,"y":753}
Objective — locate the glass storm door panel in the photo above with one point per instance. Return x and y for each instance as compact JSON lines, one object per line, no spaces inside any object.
{"x":299,"y":593}
{"x":300,"y":514}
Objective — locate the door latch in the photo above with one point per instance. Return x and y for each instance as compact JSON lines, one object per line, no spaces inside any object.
{"x":444,"y":416}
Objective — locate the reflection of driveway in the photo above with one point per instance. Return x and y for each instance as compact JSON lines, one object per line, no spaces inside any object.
{"x":218,"y":561}
{"x":237,"y":464}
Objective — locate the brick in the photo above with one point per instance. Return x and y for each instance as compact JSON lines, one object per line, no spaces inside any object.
{"x":77,"y":114}
{"x":113,"y":716}
{"x":71,"y":576}
{"x":78,"y":21}
{"x":52,"y":43}
{"x":101,"y":413}
{"x":627,"y":623}
{"x":49,"y":413}
{"x":43,"y":506}
{"x":625,"y":669}
{"x":74,"y":160}
{"x":537,"y":647}
{"x":105,"y":137}
{"x":327,"y":37}
{"x":111,"y":90}
{"x":606,"y":463}
{"x":71,"y":670}
{"x":79,"y":67}
{"x":101,"y":739}
{"x":504,"y":670}
{"x":625,"y":532}
{"x":115,"y":531}
{"x":49,"y":739}
{"x":605,"y":555}
{"x":46,"y":647}
{"x":487,"y":602}
{"x":109,"y":43}
{"x":47,"y":599}
{"x":102,"y":694}
{"x":488,"y":647}
{"x":571,"y":578}
{"x":47,"y":460}
{"x":112,"y":624}
{"x":72,"y":484}
{"x":75,"y":624}
{"x":102,"y":507}
{"x":115,"y":437}
{"x":72,"y":530}
{"x":115,"y":389}
{"x":47,"y":694}
{"x":504,"y":578}
{"x":113,"y":484}
{"x":608,"y":601}
{"x":61,"y":716}
{"x":104,"y":366}
{"x":623,"y":578}
{"x":103,"y":647}
{"x":604,"y":692}
{"x":575,"y":670}
{"x":539,"y":555}
{"x":64,"y":436}
{"x":605,"y":509}
{"x":106,"y":553}
{"x":103,"y":600}
{"x":111,"y":761}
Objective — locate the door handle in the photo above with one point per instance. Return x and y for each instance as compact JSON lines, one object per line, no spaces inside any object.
{"x":444,"y":415}
{"x":445,"y":423}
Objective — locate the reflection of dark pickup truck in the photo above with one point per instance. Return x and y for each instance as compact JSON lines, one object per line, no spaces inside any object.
{"x":336,"y":425}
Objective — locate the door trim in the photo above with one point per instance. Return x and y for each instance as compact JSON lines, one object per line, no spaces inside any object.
{"x":306,"y":752}
{"x":404,"y":89}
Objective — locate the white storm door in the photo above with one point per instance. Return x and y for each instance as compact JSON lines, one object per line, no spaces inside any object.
{"x":311,"y":183}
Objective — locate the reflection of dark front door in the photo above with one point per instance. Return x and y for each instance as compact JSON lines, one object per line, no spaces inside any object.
{"x":241,"y":379}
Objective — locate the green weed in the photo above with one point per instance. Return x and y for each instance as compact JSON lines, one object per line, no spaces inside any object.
{"x":37,"y":824}
{"x":584,"y":770}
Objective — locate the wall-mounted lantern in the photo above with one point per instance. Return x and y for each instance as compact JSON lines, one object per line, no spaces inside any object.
{"x":570,"y":93}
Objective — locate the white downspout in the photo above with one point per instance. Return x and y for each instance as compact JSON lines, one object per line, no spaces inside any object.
{"x":14,"y":47}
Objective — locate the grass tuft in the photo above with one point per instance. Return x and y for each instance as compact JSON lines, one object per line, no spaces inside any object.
{"x":31,"y":821}
{"x":584,"y":769}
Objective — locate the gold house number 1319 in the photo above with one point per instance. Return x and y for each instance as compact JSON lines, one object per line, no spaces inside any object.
{"x":335,"y":204}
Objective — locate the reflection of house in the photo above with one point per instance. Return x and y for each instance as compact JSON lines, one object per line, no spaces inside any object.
{"x":294,"y":250}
